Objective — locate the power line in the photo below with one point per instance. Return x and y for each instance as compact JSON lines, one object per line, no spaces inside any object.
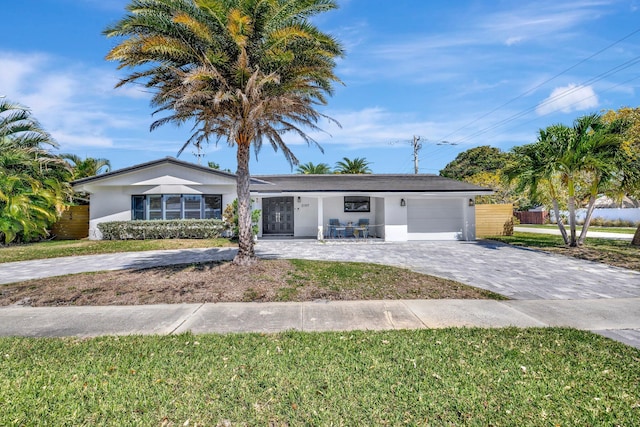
{"x":590,"y":96}
{"x":578,"y":87}
{"x":544,"y":83}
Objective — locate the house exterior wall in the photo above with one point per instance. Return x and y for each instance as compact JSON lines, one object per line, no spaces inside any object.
{"x":395,"y":219}
{"x":111,"y":198}
{"x":305,"y":217}
{"x":114,"y":203}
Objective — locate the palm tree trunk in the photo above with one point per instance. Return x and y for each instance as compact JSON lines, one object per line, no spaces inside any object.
{"x":587,"y":219}
{"x":556,"y":211}
{"x":572,"y":215}
{"x":636,"y":237}
{"x":246,"y":254}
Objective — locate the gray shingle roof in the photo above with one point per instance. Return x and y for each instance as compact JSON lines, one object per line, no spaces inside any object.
{"x":320,"y":183}
{"x":362,"y":183}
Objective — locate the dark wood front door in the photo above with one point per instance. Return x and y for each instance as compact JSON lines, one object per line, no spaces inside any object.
{"x":277,"y":216}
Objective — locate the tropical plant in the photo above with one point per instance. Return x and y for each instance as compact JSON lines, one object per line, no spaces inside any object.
{"x":231,"y":221}
{"x":311,"y":169}
{"x":84,"y":168}
{"x":33,"y":182}
{"x":631,"y":183}
{"x":503,"y":191}
{"x":359,"y":165}
{"x":243,"y":71}
{"x":216,"y":166}
{"x":583,"y":160}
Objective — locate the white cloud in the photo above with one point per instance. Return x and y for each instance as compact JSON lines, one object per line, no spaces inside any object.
{"x":15,"y":70}
{"x":76,"y":103}
{"x":513,"y":40}
{"x":568,"y":99}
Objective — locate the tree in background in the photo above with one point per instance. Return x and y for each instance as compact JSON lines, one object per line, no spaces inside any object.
{"x":243,"y":71}
{"x":631,"y":183}
{"x":33,"y":181}
{"x":87,"y":167}
{"x":216,"y":166}
{"x":359,"y":165}
{"x":583,"y":160}
{"x":474,"y":161}
{"x":483,"y":166}
{"x":311,"y":169}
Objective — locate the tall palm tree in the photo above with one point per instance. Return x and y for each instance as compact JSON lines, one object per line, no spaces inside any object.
{"x":604,"y":161}
{"x":84,"y":168}
{"x":533,"y":169}
{"x":33,"y":184}
{"x":243,"y":71}
{"x":311,"y":169}
{"x":359,"y":165}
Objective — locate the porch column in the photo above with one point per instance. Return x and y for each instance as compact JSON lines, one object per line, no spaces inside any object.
{"x":320,"y":218}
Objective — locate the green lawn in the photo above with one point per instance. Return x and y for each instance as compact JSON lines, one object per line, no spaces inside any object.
{"x":59,"y":248}
{"x":506,"y":377}
{"x":619,"y":253}
{"x":619,"y":230}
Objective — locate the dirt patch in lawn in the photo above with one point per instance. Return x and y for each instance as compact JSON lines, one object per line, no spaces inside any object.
{"x":627,"y":258}
{"x":268,"y":280}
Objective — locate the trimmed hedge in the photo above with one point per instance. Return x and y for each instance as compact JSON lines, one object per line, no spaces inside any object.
{"x":170,"y":229}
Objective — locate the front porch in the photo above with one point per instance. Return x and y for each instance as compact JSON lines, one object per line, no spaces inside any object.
{"x":388,"y":217}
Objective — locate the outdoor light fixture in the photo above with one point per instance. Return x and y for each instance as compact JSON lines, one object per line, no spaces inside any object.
{"x":471,"y":202}
{"x":299,"y":199}
{"x":403,"y":202}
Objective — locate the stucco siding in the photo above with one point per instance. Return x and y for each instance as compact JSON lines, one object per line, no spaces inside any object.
{"x":305,"y":214}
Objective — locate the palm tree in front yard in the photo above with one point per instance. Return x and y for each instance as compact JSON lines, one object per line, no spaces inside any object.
{"x":242,"y":71}
{"x":33,"y":181}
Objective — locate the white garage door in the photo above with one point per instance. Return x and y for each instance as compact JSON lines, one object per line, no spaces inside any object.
{"x":435,"y":216}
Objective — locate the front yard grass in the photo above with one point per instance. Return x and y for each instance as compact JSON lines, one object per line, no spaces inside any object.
{"x":618,"y":253}
{"x":524,"y":377}
{"x":60,"y":248}
{"x":266,"y":281}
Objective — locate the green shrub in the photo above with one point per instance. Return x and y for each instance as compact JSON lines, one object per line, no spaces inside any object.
{"x":230,"y":217}
{"x":171,"y":229}
{"x":602,"y":222}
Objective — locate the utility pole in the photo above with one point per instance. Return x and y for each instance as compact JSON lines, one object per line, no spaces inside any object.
{"x":199,"y":154}
{"x":416,"y":147}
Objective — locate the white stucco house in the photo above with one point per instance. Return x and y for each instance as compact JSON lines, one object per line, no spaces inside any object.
{"x":396,"y":207}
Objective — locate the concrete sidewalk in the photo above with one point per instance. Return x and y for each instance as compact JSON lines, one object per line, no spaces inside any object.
{"x":616,"y":318}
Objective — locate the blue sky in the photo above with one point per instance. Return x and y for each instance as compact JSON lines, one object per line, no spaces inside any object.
{"x":467,"y":72}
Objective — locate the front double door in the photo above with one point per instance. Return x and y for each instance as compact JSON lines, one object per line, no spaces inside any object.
{"x":277,"y":216}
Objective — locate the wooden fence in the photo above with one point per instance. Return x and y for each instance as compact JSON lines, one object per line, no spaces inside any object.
{"x":494,"y":220}
{"x":532,"y":217}
{"x":73,"y":224}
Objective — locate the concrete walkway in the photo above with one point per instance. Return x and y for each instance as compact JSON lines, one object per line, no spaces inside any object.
{"x":546,"y":290}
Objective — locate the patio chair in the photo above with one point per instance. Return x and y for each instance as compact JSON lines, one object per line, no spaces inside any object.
{"x":362,"y":227}
{"x":335,"y":228}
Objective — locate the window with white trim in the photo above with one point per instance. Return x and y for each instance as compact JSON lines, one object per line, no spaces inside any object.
{"x":176,"y":206}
